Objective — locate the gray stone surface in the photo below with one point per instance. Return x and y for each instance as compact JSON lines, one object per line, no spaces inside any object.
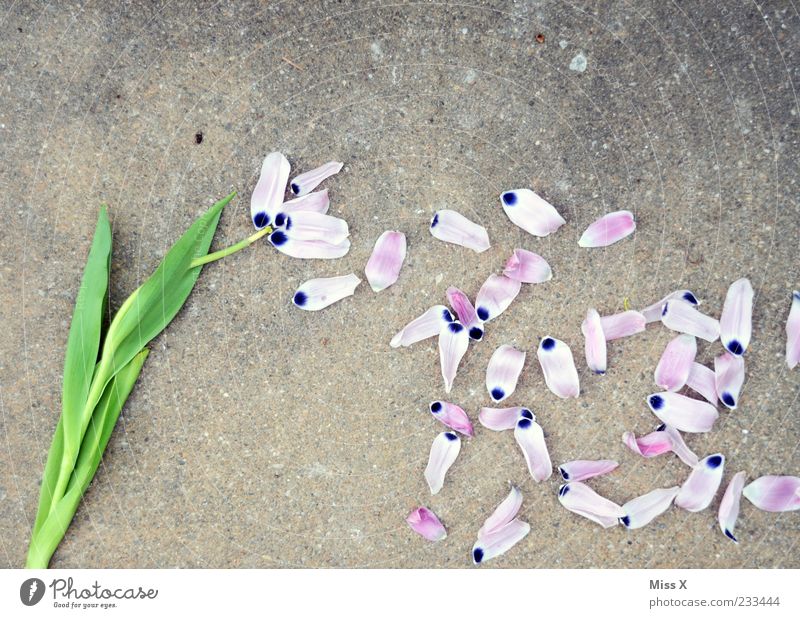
{"x":262,"y":436}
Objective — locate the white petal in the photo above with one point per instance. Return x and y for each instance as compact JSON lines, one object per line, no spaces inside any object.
{"x":793,"y":332}
{"x":683,"y":318}
{"x":318,"y":201}
{"x":495,"y":295}
{"x":583,"y":500}
{"x":500,"y":419}
{"x":465,"y":312}
{"x":531,"y":212}
{"x":503,"y":372}
{"x":308,"y":181}
{"x":775,"y":494}
{"x":453,"y":344}
{"x":558,"y":367}
{"x":729,"y":378}
{"x":653,"y":312}
{"x":622,"y":324}
{"x":699,"y":489}
{"x":268,"y":193}
{"x":309,"y":225}
{"x":427,"y":325}
{"x":316,"y":294}
{"x":308,"y":249}
{"x":729,"y":505}
{"x":702,"y":380}
{"x":595,"y":342}
{"x":683,"y":413}
{"x":530,"y":438}
{"x":444,"y":450}
{"x":582,"y":469}
{"x":453,"y":227}
{"x":505,"y":512}
{"x":383,"y":267}
{"x":675,"y":364}
{"x":527,"y":267}
{"x":644,"y":509}
{"x":608,"y":229}
{"x":736,"y":321}
{"x":499,"y":541}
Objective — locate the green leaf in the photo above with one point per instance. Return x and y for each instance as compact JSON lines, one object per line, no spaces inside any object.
{"x":83,"y":344}
{"x":46,"y":538}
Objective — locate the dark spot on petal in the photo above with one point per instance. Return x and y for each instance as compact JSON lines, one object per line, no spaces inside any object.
{"x":435,"y":220}
{"x":524,"y":423}
{"x":664,"y":310}
{"x":261,"y":220}
{"x":300,"y":298}
{"x":729,"y":534}
{"x":689,"y":297}
{"x":280,"y":219}
{"x":661,"y":427}
{"x":450,"y":436}
{"x":525,"y":413}
{"x":563,"y":491}
{"x":295,"y":188}
{"x":625,"y":521}
{"x":728,"y":400}
{"x":483,"y":313}
{"x":796,"y":295}
{"x":278,"y":238}
{"x":734,"y":347}
{"x":455,"y":327}
{"x":656,"y":402}
{"x":564,"y":473}
{"x":714,"y":461}
{"x":497,"y":393}
{"x":509,"y":198}
{"x":475,"y":333}
{"x":436,"y":406}
{"x":288,"y":223}
{"x":600,"y":373}
{"x":448,"y":317}
{"x":548,"y":343}
{"x":477,"y":555}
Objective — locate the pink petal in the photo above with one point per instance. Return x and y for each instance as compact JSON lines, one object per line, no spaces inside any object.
{"x":653,"y":312}
{"x":318,"y":201}
{"x":308,"y":181}
{"x":527,"y":267}
{"x":608,"y":229}
{"x":558,"y":367}
{"x":308,"y":249}
{"x":703,"y":381}
{"x":500,"y":419}
{"x":426,"y":325}
{"x":309,"y":225}
{"x":267,"y":196}
{"x":582,"y":469}
{"x":729,"y":505}
{"x":583,"y":500}
{"x":453,"y":416}
{"x":530,"y":212}
{"x":530,"y":437}
{"x":729,"y":377}
{"x":505,"y":512}
{"x":644,"y":509}
{"x":383,"y":267}
{"x":673,"y":369}
{"x":503,"y":372}
{"x":453,"y":343}
{"x":316,"y":294}
{"x":736,"y":321}
{"x":466,"y":312}
{"x":683,"y":318}
{"x":793,"y":332}
{"x":425,"y":523}
{"x":776,"y":494}
{"x":651,"y":445}
{"x":592,"y":329}
{"x":453,"y":227}
{"x":499,"y":541}
{"x":699,"y":489}
{"x":683,"y":413}
{"x":622,"y":324}
{"x":679,"y":447}
{"x":444,"y":450}
{"x":495,"y":295}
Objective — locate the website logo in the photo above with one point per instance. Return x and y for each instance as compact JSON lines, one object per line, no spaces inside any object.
{"x":31,"y":591}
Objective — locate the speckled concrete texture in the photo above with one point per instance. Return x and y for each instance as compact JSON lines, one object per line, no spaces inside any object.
{"x":263,"y":436}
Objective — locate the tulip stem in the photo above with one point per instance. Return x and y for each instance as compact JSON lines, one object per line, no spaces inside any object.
{"x":242,"y":244}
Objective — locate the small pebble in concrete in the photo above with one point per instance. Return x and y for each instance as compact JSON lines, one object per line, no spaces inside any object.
{"x":578,"y":63}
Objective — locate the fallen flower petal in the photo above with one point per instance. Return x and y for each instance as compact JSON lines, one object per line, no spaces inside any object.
{"x":622,"y":324}
{"x":444,"y":450}
{"x":650,"y":445}
{"x":308,"y":181}
{"x":453,"y":416}
{"x":388,"y":255}
{"x":644,"y":509}
{"x":699,"y":489}
{"x":729,"y":505}
{"x":558,"y":367}
{"x":310,"y":225}
{"x":527,"y":267}
{"x":729,"y":377}
{"x":318,"y":201}
{"x":500,"y":419}
{"x":495,"y":295}
{"x":453,"y":344}
{"x":683,"y":413}
{"x":736,"y":321}
{"x":793,"y":332}
{"x":453,"y":227}
{"x":505,"y":512}
{"x":675,"y":364}
{"x":583,"y":500}
{"x":683,"y":318}
{"x":499,"y":541}
{"x":776,"y":494}
{"x":530,"y":437}
{"x":503,"y":371}
{"x":531,"y":212}
{"x":595,"y":342}
{"x":267,"y":196}
{"x":426,"y":325}
{"x":308,"y":249}
{"x":703,"y":381}
{"x":582,"y":469}
{"x":679,"y":447}
{"x":316,"y":294}
{"x":425,"y":523}
{"x":608,"y":229}
{"x":465,"y":312}
{"x":653,"y":312}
